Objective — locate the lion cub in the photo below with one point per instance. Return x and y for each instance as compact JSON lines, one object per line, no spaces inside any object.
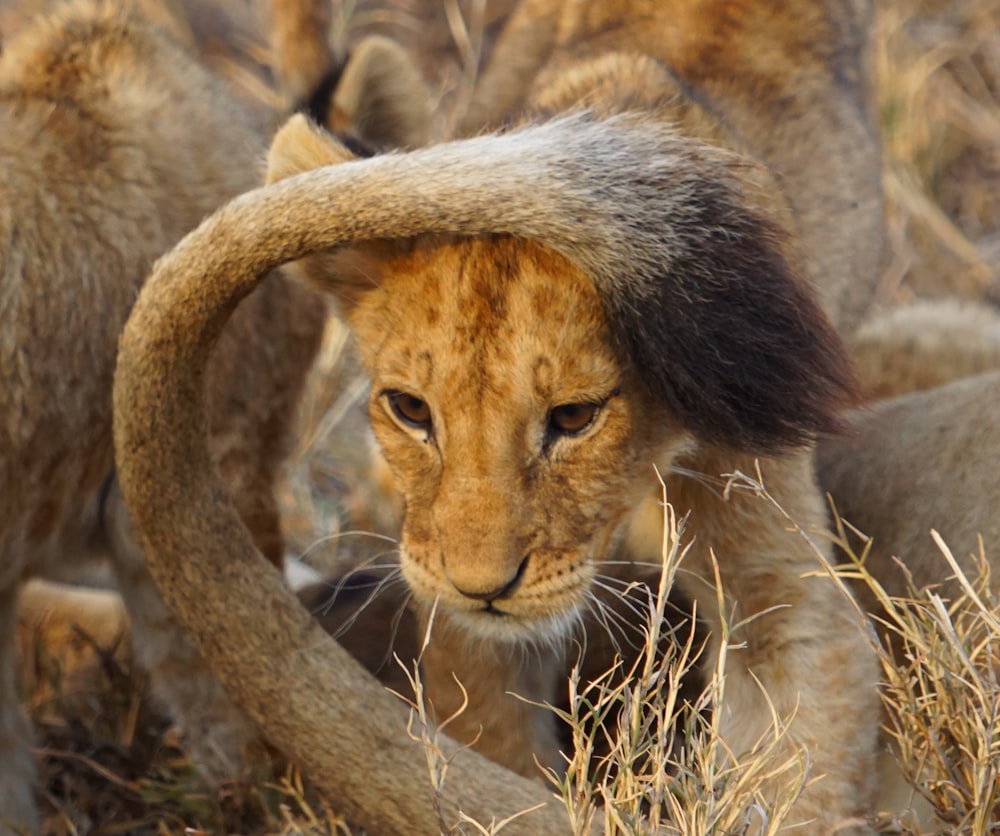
{"x":115,"y":142}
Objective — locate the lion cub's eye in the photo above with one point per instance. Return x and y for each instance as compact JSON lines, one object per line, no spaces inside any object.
{"x":572,"y":418}
{"x":411,"y":410}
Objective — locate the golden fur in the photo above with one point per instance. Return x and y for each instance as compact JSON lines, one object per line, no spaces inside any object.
{"x":115,"y":143}
{"x":548,"y":313}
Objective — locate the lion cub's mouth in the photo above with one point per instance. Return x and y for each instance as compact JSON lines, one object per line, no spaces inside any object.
{"x":531,"y":612}
{"x":492,"y":624}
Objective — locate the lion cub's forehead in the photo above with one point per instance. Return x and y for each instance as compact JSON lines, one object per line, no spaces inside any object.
{"x":494,"y":315}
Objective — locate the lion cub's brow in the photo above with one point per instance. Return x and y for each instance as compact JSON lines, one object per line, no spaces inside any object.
{"x":477,"y":323}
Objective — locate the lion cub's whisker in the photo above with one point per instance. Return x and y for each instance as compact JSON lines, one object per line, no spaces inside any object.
{"x":622,"y":597}
{"x":348,"y":583}
{"x":706,"y":479}
{"x":335,"y":537}
{"x":616,"y":627}
{"x":656,"y":565}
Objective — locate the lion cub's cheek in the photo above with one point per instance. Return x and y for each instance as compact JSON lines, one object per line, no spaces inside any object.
{"x":550,"y":529}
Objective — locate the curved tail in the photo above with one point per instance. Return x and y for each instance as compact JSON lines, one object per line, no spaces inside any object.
{"x":308,"y":697}
{"x":696,"y":284}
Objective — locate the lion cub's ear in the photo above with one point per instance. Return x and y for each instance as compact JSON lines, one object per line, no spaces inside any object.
{"x":379,"y":96}
{"x":300,"y":145}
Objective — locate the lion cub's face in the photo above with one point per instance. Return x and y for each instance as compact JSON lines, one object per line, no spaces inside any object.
{"x":516,"y":433}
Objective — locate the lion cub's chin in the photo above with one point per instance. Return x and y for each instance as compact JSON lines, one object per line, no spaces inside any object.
{"x":495,"y":626}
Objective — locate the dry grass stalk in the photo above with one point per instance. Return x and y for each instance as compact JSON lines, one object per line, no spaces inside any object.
{"x":937,"y":67}
{"x":423,"y":728}
{"x":644,"y":761}
{"x":299,"y":814}
{"x":941,"y":691}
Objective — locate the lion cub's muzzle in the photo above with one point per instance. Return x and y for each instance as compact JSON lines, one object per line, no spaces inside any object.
{"x":471,"y":582}
{"x":519,"y":599}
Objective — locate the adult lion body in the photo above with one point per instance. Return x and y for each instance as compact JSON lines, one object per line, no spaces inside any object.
{"x":789,"y":85}
{"x":549,"y":313}
{"x":920,"y":461}
{"x":115,"y":142}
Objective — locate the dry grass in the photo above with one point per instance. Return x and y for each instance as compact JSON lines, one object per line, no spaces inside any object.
{"x":647,"y":758}
{"x":937,"y":68}
{"x":109,"y":763}
{"x":941,"y":691}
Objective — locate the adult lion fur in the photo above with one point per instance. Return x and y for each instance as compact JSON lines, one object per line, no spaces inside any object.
{"x":920,"y":454}
{"x":115,"y":143}
{"x":918,"y":461}
{"x":924,"y":344}
{"x":624,"y":277}
{"x":790,"y":85}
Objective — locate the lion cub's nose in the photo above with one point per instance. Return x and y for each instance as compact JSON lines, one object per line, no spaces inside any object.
{"x":497,"y":590}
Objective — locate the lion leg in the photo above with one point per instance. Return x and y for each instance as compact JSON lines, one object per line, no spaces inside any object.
{"x":214,"y":732}
{"x":17,"y":767}
{"x":797,"y":651}
{"x":806,"y":666}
